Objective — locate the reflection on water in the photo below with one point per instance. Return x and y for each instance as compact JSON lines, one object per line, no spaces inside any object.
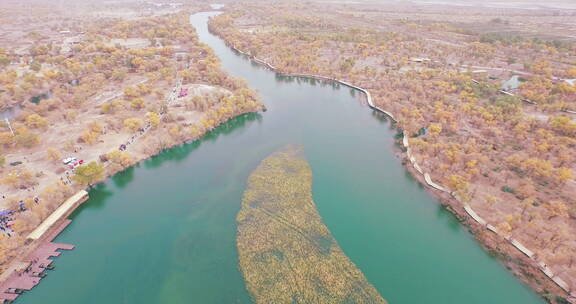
{"x":181,"y":152}
{"x":122,"y":179}
{"x":98,"y":196}
{"x":381,"y":117}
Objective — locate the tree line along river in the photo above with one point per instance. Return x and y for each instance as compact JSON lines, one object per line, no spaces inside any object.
{"x":164,"y":231}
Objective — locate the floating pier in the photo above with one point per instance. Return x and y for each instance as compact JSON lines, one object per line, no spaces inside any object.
{"x":64,"y":210}
{"x":24,"y":274}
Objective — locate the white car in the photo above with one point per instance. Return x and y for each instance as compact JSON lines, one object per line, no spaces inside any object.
{"x":69,"y":160}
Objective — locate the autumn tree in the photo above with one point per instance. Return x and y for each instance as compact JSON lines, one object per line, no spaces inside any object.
{"x":557,"y":208}
{"x":35,"y":121}
{"x":133,"y":124}
{"x":35,"y":66}
{"x":153,"y":118}
{"x":111,"y":107}
{"x":435,"y":129}
{"x":131,"y":92}
{"x":53,"y":154}
{"x":121,"y":158}
{"x":564,"y":126}
{"x":26,"y":138}
{"x":459,"y":185}
{"x":563,"y":175}
{"x":542,"y":67}
{"x":19,"y":178}
{"x":95,"y":127}
{"x":346,"y":65}
{"x":6,"y":139}
{"x":89,"y":173}
{"x":571,"y":72}
{"x":137,"y":103}
{"x":89,"y":137}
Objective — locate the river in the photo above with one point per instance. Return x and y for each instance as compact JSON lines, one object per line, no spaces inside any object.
{"x":164,"y":231}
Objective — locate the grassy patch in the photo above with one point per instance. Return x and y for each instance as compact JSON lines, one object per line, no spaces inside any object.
{"x":287,"y":254}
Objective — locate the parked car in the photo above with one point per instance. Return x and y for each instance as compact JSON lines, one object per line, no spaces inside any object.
{"x":76,"y":164}
{"x":69,"y":160}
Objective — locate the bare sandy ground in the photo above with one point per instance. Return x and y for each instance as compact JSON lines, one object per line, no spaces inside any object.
{"x":49,"y":171}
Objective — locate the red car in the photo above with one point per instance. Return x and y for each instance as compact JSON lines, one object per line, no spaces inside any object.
{"x":183,"y":92}
{"x":78,"y":163}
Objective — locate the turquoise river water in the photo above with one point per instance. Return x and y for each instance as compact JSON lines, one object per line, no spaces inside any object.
{"x":164,"y":231}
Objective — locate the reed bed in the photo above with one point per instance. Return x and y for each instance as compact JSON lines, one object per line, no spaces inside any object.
{"x":287,"y":254}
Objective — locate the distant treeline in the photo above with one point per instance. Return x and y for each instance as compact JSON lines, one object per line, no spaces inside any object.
{"x":512,"y":38}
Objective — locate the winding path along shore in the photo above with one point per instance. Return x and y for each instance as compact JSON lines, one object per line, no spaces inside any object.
{"x":535,"y":262}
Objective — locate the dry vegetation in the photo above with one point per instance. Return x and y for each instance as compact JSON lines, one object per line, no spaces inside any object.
{"x":88,"y":90}
{"x":287,"y":255}
{"x":440,"y":71}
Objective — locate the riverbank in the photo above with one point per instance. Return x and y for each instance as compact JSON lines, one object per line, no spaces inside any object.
{"x":43,"y":235}
{"x":25,"y":272}
{"x":113,"y":128}
{"x":185,"y":200}
{"x":510,"y":252}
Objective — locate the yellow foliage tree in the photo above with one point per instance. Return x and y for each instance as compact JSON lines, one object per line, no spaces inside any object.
{"x":564,"y":174}
{"x":95,"y":127}
{"x":35,"y":121}
{"x":174,"y":131}
{"x":89,"y":173}
{"x":435,"y":129}
{"x":119,"y":157}
{"x":89,"y":137}
{"x":131,"y":92}
{"x":137,"y":103}
{"x":53,"y":154}
{"x":557,"y":208}
{"x":133,"y":124}
{"x":26,"y":138}
{"x":153,"y":118}
{"x":6,"y":139}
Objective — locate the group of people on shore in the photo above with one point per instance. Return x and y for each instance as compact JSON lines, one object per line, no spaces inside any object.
{"x":66,"y":179}
{"x":133,"y":138}
{"x":6,"y":223}
{"x":7,"y":216}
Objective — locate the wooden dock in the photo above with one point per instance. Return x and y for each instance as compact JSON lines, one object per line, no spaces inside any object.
{"x":25,"y":273}
{"x":64,"y":210}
